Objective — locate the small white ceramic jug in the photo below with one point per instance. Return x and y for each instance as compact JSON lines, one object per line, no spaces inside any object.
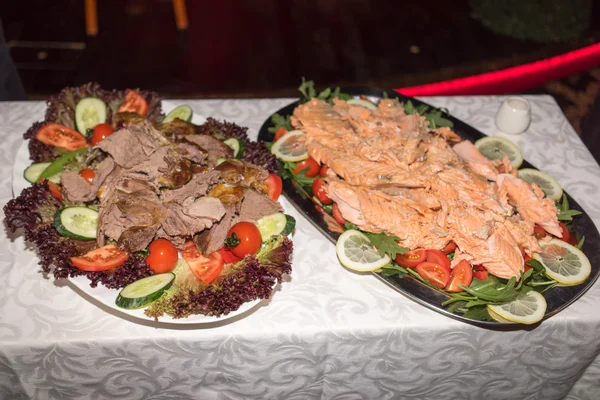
{"x":514,"y":115}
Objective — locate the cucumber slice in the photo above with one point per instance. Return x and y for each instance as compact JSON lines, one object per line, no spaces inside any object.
{"x":79,"y":223}
{"x":183,"y":112}
{"x":275,"y":224}
{"x":33,"y":172}
{"x":89,"y":112}
{"x":56,"y":167}
{"x":144,"y":291}
{"x":237,"y":145}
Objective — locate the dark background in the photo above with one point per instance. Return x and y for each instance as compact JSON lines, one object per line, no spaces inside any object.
{"x":236,"y":48}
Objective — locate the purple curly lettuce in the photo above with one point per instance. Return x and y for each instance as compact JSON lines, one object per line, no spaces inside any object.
{"x":255,"y":153}
{"x":255,"y":279}
{"x":33,"y":211}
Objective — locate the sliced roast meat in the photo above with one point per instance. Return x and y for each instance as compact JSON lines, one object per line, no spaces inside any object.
{"x":137,"y":238}
{"x":204,"y":208}
{"x":178,"y":241}
{"x":212,"y":239}
{"x":237,"y":172}
{"x":213,"y":146}
{"x":75,"y":188}
{"x":178,"y":129}
{"x":149,"y":138}
{"x":124,"y":148}
{"x":191,"y":152}
{"x":196,"y":187}
{"x":256,"y":206}
{"x":178,"y":172}
{"x":189,"y":219}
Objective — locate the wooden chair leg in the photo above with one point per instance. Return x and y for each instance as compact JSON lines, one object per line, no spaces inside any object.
{"x":91,"y":18}
{"x":181,"y":19}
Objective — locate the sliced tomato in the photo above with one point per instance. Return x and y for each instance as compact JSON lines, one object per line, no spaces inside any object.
{"x":337,"y":214}
{"x":539,"y":232}
{"x":436,"y":274}
{"x":55,"y":189}
{"x":318,"y":188}
{"x":323,"y":171}
{"x":134,"y":102}
{"x":573,"y":240}
{"x":88,"y":174}
{"x":311,"y":164}
{"x":526,"y":268}
{"x":279,"y":133}
{"x":481,"y":275}
{"x":228,"y":256}
{"x":450,"y":247}
{"x":411,"y":258}
{"x":461,"y":274}
{"x":60,"y":136}
{"x":206,"y":269}
{"x":275,"y":186}
{"x":102,"y":259}
{"x":101,"y":132}
{"x":566,"y":235}
{"x":163,"y":256}
{"x":438,"y":257}
{"x":243,"y":238}
{"x":479,"y":268}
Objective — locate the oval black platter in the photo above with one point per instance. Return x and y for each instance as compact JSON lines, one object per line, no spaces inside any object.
{"x":557,"y":298}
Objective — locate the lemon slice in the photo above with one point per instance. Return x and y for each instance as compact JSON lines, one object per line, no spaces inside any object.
{"x":564,"y":263}
{"x":496,"y":147}
{"x":291,"y":147}
{"x":355,"y":252}
{"x":497,"y":317}
{"x":546,"y":182}
{"x":528,"y":308}
{"x":362,"y":103}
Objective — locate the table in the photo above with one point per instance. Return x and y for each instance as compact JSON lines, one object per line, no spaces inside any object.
{"x":327,"y":332}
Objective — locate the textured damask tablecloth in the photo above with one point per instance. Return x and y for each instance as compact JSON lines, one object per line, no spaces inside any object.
{"x":327,"y":332}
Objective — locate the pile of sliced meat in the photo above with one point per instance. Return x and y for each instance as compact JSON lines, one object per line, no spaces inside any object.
{"x":148,"y":187}
{"x":390,"y":173}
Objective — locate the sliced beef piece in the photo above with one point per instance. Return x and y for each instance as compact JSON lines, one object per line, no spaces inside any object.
{"x":177,"y":129}
{"x":214,"y":147}
{"x":75,"y":188}
{"x":179,"y":171}
{"x":204,"y":208}
{"x":196,"y":187}
{"x":178,"y":241}
{"x":228,"y":194}
{"x":212,"y":239}
{"x":149,"y":138}
{"x":124,"y":147}
{"x":137,"y":238}
{"x":195,"y":216}
{"x":237,"y":172}
{"x":191,"y":152}
{"x":256,"y":206}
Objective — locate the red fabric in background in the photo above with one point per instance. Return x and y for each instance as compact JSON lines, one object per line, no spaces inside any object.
{"x":514,"y":79}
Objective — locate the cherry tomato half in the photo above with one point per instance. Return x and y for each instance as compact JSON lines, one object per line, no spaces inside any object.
{"x":436,"y":274}
{"x":481,"y":275}
{"x":566,"y":235}
{"x":461,"y":274}
{"x":450,"y":247}
{"x":163,"y":256}
{"x":438,"y":257}
{"x":411,"y":258}
{"x":337,"y":214}
{"x":318,"y":189}
{"x":248,"y":237}
{"x":61,"y":136}
{"x":88,"y":174}
{"x":279,"y":133}
{"x":539,"y":232}
{"x":275,"y":186}
{"x":134,"y":102}
{"x":206,"y":269}
{"x":102,"y":259}
{"x":55,"y":190}
{"x":311,"y":164}
{"x":323,"y":171}
{"x":101,"y":132}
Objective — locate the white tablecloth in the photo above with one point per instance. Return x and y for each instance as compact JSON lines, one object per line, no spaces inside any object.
{"x":327,"y":332}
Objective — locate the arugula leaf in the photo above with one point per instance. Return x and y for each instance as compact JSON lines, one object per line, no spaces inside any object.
{"x":350,"y":225}
{"x":393,"y":269}
{"x":287,"y":169}
{"x":568,"y":215}
{"x":433,"y":116}
{"x":479,"y":313}
{"x":324,"y":95}
{"x":386,"y":244}
{"x":279,"y":121}
{"x":409,"y":109}
{"x":579,"y":244}
{"x":307,"y":88}
{"x":493,"y":290}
